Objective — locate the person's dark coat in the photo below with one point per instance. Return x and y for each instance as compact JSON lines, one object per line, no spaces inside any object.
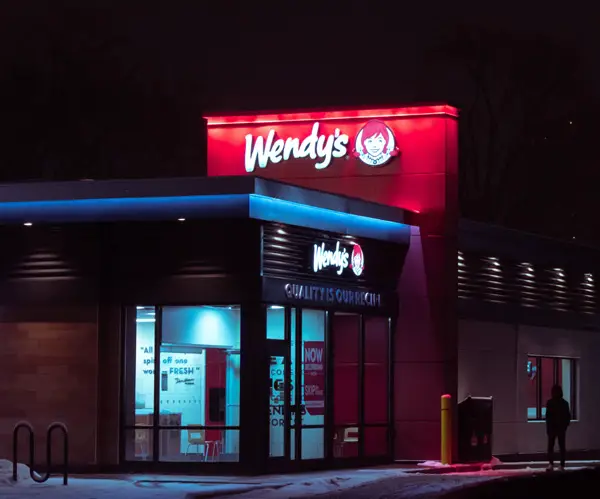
{"x":558,"y":413}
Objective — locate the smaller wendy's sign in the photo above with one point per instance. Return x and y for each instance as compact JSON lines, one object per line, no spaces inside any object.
{"x":357,"y":261}
{"x":338,"y":258}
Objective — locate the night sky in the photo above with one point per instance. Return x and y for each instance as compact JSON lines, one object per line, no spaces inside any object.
{"x":100,"y":89}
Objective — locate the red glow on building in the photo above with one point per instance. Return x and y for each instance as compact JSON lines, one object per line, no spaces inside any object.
{"x":418,"y":175}
{"x":391,"y":113}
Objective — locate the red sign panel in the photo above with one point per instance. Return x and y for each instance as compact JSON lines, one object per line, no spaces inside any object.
{"x":314,"y":377}
{"x":352,"y":152}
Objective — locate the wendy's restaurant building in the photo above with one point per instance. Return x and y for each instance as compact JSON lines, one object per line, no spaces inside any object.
{"x":306,"y":304}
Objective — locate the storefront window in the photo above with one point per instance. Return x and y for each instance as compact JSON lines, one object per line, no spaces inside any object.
{"x":307,"y":416}
{"x":198,"y":380}
{"x":566,"y":378}
{"x":376,"y":398}
{"x":532,"y":388}
{"x":361,"y":385}
{"x":278,"y":386}
{"x":346,"y":336}
{"x":376,"y":441}
{"x":140,"y":403}
{"x":275,"y":322}
{"x":542,"y":374}
{"x":547,"y":381}
{"x":313,"y":383}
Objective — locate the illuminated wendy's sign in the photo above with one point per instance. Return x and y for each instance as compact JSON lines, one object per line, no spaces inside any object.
{"x":274,"y":149}
{"x":339,"y":258}
{"x":374,"y":145}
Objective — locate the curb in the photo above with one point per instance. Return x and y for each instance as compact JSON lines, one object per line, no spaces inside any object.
{"x":470,"y":468}
{"x":538,"y":484}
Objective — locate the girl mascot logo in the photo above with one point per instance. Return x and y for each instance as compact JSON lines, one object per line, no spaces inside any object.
{"x":358,"y":260}
{"x":375,"y":143}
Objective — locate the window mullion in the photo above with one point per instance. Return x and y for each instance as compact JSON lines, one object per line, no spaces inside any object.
{"x":539,"y":388}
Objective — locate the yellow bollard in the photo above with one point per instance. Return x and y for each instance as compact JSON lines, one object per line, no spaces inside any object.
{"x":446,"y":429}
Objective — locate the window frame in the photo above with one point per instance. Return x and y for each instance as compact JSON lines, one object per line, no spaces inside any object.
{"x":540,"y":397}
{"x":329,"y":425}
{"x":361,"y":424}
{"x":128,"y":381}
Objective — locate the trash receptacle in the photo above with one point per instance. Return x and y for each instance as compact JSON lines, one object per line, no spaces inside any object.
{"x":475,"y":423}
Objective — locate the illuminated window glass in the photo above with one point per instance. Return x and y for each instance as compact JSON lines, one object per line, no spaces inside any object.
{"x":198,"y":415}
{"x":532,"y":388}
{"x":542,"y":374}
{"x":139,"y":400}
{"x":313,"y":380}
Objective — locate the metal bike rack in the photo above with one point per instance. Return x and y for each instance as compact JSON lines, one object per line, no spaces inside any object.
{"x":49,"y":431}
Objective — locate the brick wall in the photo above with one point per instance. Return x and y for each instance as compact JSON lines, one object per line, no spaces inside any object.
{"x":48,"y":372}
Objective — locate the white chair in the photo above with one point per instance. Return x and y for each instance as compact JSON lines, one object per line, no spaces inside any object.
{"x":196,"y":437}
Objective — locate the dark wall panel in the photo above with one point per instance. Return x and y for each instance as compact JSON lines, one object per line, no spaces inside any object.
{"x":513,"y":314}
{"x":171,"y":262}
{"x":191,"y":262}
{"x":526,"y":292}
{"x":48,"y":265}
{"x":288,"y":252}
{"x":526,"y":284}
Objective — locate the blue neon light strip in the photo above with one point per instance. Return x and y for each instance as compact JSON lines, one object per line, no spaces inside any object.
{"x":111,"y":209}
{"x":289,"y":212}
{"x":209,"y":206}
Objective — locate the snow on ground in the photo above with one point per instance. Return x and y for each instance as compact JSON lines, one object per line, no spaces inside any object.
{"x":167,"y":487}
{"x":434,"y":464}
{"x":192,"y":487}
{"x":114,"y":488}
{"x":437,"y":464}
{"x":494,"y":462}
{"x":417,"y":486}
{"x":403,"y":484}
{"x":367,"y":483}
{"x":311,"y":484}
{"x":6,"y":471}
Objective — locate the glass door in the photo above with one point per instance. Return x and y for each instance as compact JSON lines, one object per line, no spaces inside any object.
{"x":309,"y":362}
{"x":296,"y":340}
{"x":279,"y":400}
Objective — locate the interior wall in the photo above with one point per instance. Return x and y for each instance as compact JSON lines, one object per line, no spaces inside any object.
{"x":213,"y":326}
{"x":493,"y":362}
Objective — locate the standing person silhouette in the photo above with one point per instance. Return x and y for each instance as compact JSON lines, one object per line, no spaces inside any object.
{"x":558,"y":418}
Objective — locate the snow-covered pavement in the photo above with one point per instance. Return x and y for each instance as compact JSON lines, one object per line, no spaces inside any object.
{"x":416,"y":486}
{"x":405,"y":484}
{"x":357,"y":483}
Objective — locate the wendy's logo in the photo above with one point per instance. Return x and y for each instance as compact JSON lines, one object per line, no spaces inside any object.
{"x":375,"y":143}
{"x":357,"y":260}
